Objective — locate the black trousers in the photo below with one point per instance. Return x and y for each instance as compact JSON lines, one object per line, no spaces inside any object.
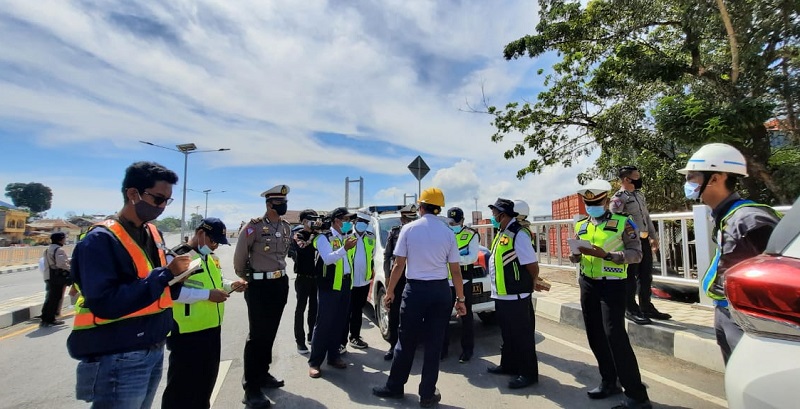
{"x":331,"y":321}
{"x":358,"y":299}
{"x":52,"y":300}
{"x":467,"y":322}
{"x":394,"y":311}
{"x":265,"y":302}
{"x":306,"y":289}
{"x":193,"y":367}
{"x":639,"y":281}
{"x":424,"y":312}
{"x":517,"y":326}
{"x":603,"y":305}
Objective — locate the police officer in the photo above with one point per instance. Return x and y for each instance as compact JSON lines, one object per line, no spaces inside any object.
{"x":468,"y":241}
{"x":430,"y":249}
{"x":614,"y":243}
{"x":630,"y":200}
{"x":743,"y":227}
{"x":362,"y":256}
{"x":513,"y":269}
{"x":408,"y":213}
{"x":260,"y":258}
{"x":304,"y":256}
{"x":333,"y":289}
{"x":194,"y":342}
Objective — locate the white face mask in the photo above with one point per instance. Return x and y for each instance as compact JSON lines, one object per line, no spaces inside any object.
{"x":691,"y":190}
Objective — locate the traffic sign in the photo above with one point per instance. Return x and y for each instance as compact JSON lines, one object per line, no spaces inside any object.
{"x":419,"y":168}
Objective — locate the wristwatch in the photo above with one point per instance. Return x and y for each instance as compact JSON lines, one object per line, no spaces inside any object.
{"x":608,"y":256}
{"x":460,"y":299}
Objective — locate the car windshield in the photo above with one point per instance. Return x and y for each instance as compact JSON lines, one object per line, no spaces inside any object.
{"x":386,"y":223}
{"x":785,"y":233}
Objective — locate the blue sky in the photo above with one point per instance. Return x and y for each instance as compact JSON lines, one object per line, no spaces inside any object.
{"x":303,"y":93}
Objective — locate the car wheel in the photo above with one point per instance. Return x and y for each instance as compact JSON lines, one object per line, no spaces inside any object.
{"x":487,"y":317}
{"x":382,"y":314}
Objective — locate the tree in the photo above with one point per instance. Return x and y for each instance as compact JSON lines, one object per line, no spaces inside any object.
{"x":34,"y":196}
{"x":168,"y":224}
{"x":194,"y":221}
{"x":657,"y":79}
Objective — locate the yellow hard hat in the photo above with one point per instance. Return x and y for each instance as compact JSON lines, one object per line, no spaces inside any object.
{"x":432,"y":195}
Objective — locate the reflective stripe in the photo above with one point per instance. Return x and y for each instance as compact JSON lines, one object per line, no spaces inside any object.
{"x":369,"y":249}
{"x":85,"y":319}
{"x":337,"y":268}
{"x":202,"y":314}
{"x":596,"y":267}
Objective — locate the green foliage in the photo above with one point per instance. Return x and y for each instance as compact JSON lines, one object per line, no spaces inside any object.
{"x":650,"y":82}
{"x":194,"y":221}
{"x":168,"y":224}
{"x":34,"y":196}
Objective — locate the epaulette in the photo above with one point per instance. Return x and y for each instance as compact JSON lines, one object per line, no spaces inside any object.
{"x":470,"y":229}
{"x":582,"y":218}
{"x":256,"y":220}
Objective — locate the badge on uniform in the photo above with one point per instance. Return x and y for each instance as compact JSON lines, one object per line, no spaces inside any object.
{"x":630,"y":231}
{"x":504,"y":240}
{"x":250,"y":230}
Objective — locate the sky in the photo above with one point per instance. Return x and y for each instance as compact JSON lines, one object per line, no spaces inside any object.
{"x":302,"y":93}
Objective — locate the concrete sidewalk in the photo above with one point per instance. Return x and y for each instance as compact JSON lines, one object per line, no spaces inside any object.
{"x":688,"y":336}
{"x":15,"y":269}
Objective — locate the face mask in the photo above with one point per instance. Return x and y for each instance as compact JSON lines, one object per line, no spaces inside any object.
{"x":204,"y":249}
{"x":456,"y":229}
{"x":280,"y":208}
{"x":595,"y":211}
{"x":147,"y":212}
{"x":637,"y":184}
{"x":691,"y":190}
{"x":346,"y":227}
{"x":495,"y":223}
{"x":361,"y":227}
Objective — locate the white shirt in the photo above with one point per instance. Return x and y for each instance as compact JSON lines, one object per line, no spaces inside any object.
{"x":471,"y":257}
{"x":525,"y":254}
{"x":428,"y":246}
{"x":192,"y":295}
{"x":331,"y":256}
{"x":360,"y":262}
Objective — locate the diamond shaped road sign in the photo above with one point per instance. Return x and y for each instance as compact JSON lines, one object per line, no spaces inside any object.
{"x":419,"y":168}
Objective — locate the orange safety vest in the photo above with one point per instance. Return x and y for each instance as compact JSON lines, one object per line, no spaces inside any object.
{"x":85,"y":319}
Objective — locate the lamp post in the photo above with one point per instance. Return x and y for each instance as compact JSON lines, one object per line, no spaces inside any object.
{"x":185,"y":149}
{"x":207,"y":191}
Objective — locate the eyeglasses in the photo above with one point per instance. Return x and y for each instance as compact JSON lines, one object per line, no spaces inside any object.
{"x":159,"y":200}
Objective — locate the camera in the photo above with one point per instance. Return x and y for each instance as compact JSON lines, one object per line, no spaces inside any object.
{"x":317,"y":223}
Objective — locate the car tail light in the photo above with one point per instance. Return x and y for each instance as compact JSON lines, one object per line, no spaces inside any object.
{"x":765,"y":294}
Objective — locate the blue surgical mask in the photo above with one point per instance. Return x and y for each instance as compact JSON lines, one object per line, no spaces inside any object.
{"x":361,"y":227}
{"x":204,"y":249}
{"x":495,"y":223}
{"x":346,"y":227}
{"x":691,"y":190}
{"x":456,"y":229}
{"x":595,"y":211}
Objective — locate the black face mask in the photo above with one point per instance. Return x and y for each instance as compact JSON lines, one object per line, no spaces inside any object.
{"x":147,"y":212}
{"x":637,"y":183}
{"x":280,"y":208}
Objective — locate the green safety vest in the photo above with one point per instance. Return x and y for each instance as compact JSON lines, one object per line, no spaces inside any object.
{"x":334,"y":272}
{"x":711,"y":285}
{"x":463,"y":238}
{"x":369,"y":248}
{"x":202,"y":314}
{"x":608,"y":236}
{"x":507,"y":276}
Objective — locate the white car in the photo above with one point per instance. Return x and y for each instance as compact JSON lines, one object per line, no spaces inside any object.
{"x":764,"y":369}
{"x":383,"y":219}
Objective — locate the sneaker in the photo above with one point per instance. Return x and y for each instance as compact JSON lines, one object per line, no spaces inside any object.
{"x":358,"y":343}
{"x":302,"y":348}
{"x":342,"y":349}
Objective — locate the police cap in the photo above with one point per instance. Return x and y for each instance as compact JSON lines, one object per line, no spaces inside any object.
{"x":277,"y":192}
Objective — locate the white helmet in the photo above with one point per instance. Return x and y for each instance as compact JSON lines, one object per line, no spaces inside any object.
{"x":716,"y":157}
{"x":595,"y":190}
{"x":363,"y":215}
{"x":521,"y":207}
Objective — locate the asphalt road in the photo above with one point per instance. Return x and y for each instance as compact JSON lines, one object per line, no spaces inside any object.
{"x":36,"y":371}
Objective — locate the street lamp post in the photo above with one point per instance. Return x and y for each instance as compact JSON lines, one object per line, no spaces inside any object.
{"x":207,"y":191}
{"x":185,"y":149}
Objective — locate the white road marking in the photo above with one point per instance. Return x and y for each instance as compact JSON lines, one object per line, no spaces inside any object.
{"x":658,"y":378}
{"x":224,"y":366}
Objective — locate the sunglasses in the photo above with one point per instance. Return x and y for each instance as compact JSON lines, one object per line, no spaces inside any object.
{"x":159,"y":200}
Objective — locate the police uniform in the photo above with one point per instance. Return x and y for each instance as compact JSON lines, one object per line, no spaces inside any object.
{"x":362,"y":256}
{"x":733,"y":218}
{"x":634,"y":205}
{"x":602,"y":284}
{"x":468,"y":241}
{"x":260,"y":258}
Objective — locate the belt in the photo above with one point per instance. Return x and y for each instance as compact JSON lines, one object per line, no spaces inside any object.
{"x":267,"y":275}
{"x":602,"y":278}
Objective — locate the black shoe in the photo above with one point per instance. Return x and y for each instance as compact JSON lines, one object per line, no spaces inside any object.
{"x":273,"y":382}
{"x":498,"y":370}
{"x":522,"y":381}
{"x":638,"y":318}
{"x":358,"y":343}
{"x":464,"y":357}
{"x":384,"y":392}
{"x":256,"y":400}
{"x":302,"y":348}
{"x":428,"y":402}
{"x":45,"y":324}
{"x":389,"y":355}
{"x":629,"y":403}
{"x":603,"y":391}
{"x":57,"y":322}
{"x":656,"y":314}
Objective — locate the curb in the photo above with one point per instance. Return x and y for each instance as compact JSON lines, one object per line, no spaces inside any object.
{"x":669,"y":338}
{"x":20,"y":314}
{"x":13,"y":269}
